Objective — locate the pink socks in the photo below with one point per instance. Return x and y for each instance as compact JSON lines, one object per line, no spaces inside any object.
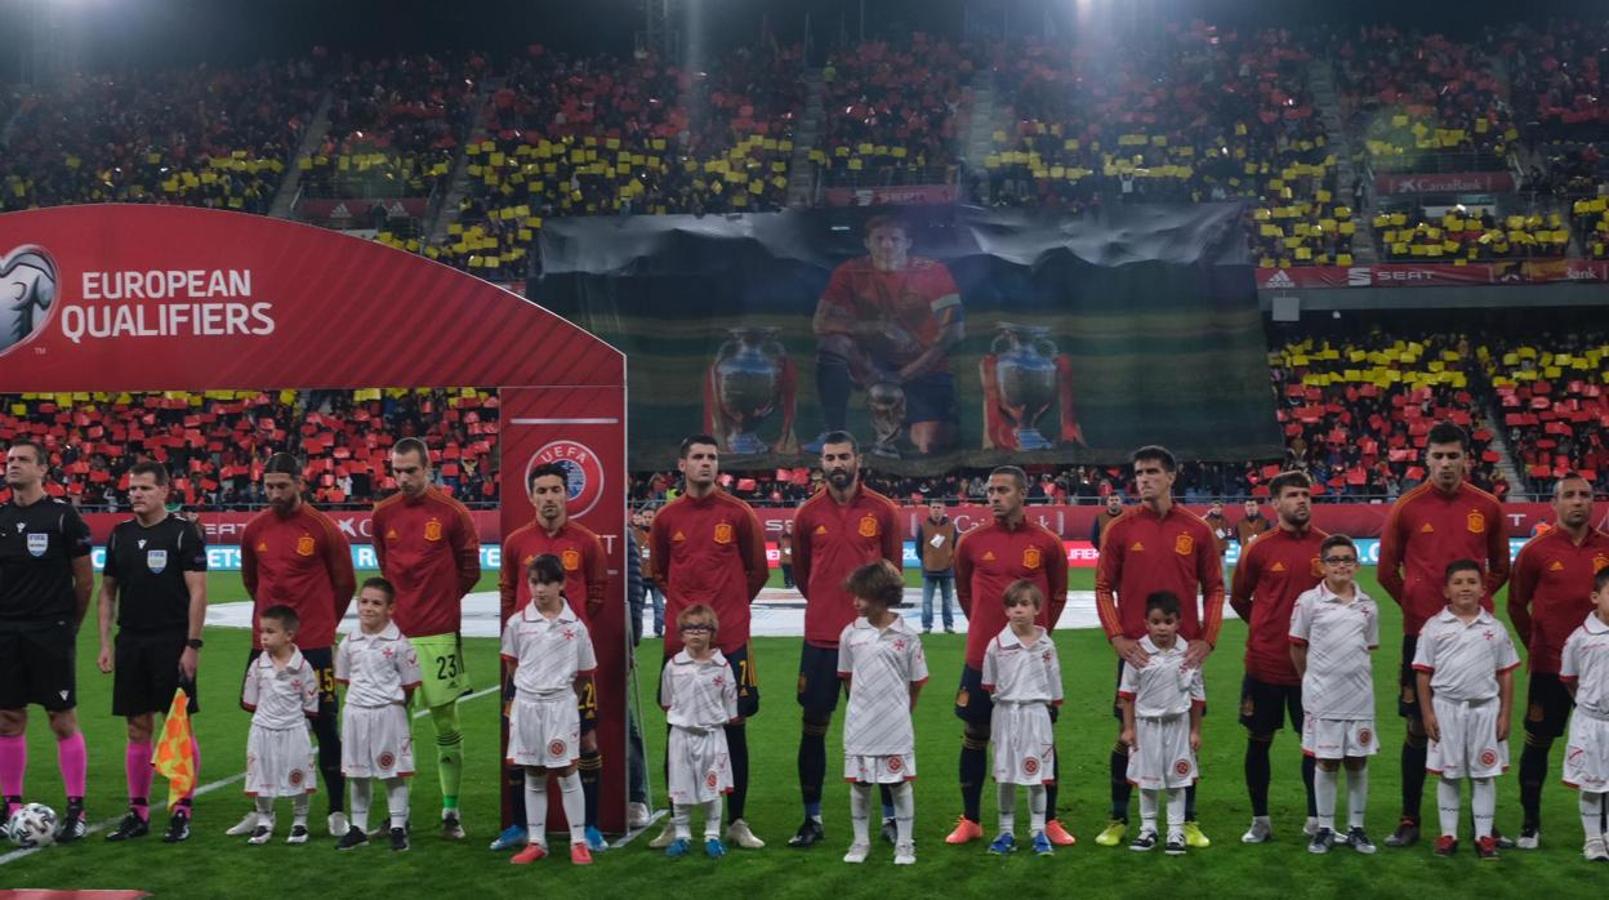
{"x":73,"y":760}
{"x":13,"y":763}
{"x":137,"y":765}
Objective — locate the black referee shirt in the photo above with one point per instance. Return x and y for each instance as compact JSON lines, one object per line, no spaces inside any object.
{"x":148,"y":565}
{"x":38,"y":544}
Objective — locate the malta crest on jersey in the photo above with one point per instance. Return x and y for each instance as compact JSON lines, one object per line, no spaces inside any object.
{"x":156,"y":561}
{"x":38,"y":542}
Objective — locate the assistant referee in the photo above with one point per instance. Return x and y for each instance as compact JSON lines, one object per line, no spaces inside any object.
{"x":155,"y":584}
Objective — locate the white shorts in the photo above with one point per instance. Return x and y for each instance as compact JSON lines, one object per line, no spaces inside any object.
{"x":279,"y":762}
{"x":1024,"y":744}
{"x":376,"y":742}
{"x":1339,"y":738}
{"x":1586,"y":757}
{"x":1163,"y":760}
{"x":1469,"y":747}
{"x":700,"y":767}
{"x":892,"y":769}
{"x":544,"y":733}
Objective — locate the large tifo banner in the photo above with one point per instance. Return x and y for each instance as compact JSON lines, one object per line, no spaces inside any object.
{"x":940,"y":336}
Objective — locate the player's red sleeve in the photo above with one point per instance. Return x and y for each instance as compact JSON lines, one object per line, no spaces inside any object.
{"x":248,"y":561}
{"x":597,"y":575}
{"x":1389,"y":571}
{"x":1210,"y":569}
{"x":963,"y":575}
{"x":466,"y":549}
{"x":836,"y":302}
{"x":508,"y":575}
{"x":801,"y":549}
{"x":1497,"y":557}
{"x":338,"y":560}
{"x":1520,"y":590}
{"x":1056,"y":577}
{"x":1247,"y":571}
{"x":893,"y":539}
{"x":1107,"y":570}
{"x":659,"y":548}
{"x":754,"y":553}
{"x":378,"y":524}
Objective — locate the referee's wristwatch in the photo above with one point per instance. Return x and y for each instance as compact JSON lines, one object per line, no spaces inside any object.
{"x":194,"y":643}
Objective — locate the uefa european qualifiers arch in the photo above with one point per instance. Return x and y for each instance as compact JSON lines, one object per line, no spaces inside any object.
{"x":152,"y":298}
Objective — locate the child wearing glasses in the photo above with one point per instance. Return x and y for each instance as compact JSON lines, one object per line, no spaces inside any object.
{"x":699,"y":695}
{"x":1334,"y":628}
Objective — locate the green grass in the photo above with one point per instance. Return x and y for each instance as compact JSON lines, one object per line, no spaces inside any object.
{"x":213,"y":865}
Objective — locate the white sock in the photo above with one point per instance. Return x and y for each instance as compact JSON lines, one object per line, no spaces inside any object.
{"x":1148,"y":804}
{"x":362,"y":793}
{"x":860,"y":804}
{"x":536,"y":807}
{"x":712,"y":819}
{"x":575,"y":806}
{"x":299,"y":805}
{"x":1008,"y":808}
{"x":680,"y":819}
{"x":1324,"y":790}
{"x":904,"y":812}
{"x":396,"y":801}
{"x":265,"y":811}
{"x":1175,"y":811}
{"x":1357,"y":795}
{"x":1591,"y":811}
{"x":1036,"y":808}
{"x":1483,"y":800}
{"x":1447,"y":806}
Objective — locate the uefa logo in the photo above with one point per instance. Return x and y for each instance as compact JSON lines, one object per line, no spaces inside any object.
{"x":583,"y":471}
{"x":27,"y":295}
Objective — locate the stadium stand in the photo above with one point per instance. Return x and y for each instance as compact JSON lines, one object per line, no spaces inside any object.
{"x":1551,"y":394}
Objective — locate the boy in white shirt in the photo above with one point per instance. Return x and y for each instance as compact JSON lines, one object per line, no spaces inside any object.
{"x":699,"y":695}
{"x":1465,"y":665}
{"x":1584,"y":670}
{"x":880,"y":658}
{"x":380,"y":669}
{"x":281,"y":693}
{"x":1022,"y":673}
{"x":550,"y":651}
{"x":1162,"y":703}
{"x":1334,"y":628}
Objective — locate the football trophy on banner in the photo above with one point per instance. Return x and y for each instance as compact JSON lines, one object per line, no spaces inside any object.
{"x":751,"y":376}
{"x":1023,"y":376}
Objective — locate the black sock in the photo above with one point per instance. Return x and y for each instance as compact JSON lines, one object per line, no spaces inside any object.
{"x":1309,"y":764}
{"x":590,"y":767}
{"x":1533,"y":773}
{"x":1258,"y":775}
{"x":329,"y":760}
{"x":1190,"y":803}
{"x":833,"y":385}
{"x":1121,"y":789}
{"x":514,"y":788}
{"x":812,"y":763}
{"x":974,"y":764}
{"x":737,"y":745}
{"x":885,"y":794}
{"x":1413,"y":778}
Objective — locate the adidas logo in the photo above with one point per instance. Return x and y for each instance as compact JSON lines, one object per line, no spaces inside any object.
{"x":1279,"y":280}
{"x":821,"y":529}
{"x":1136,"y":547}
{"x":988,"y":556}
{"x":1277,"y":567}
{"x":1556,"y":566}
{"x":1426,"y":529}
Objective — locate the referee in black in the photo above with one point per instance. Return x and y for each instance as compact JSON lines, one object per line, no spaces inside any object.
{"x":45,"y":583}
{"x":155,"y":584}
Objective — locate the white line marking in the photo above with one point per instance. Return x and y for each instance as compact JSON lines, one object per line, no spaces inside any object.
{"x":25,"y":852}
{"x":525,"y":421}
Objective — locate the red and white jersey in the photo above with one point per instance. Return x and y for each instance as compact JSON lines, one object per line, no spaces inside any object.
{"x":881,"y":665}
{"x":1586,"y":663}
{"x":548,"y":653}
{"x":377,"y":668}
{"x":1464,"y":658}
{"x":1164,"y":687}
{"x":1338,"y":635}
{"x":1018,"y":671}
{"x":280,"y":699}
{"x":698,"y":693}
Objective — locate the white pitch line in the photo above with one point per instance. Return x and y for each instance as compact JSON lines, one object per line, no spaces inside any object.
{"x":24,"y":852}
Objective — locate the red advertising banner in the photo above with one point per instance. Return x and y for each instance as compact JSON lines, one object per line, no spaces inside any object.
{"x":1551,"y":271}
{"x":914,"y":195}
{"x":1445,"y":182}
{"x":348,"y":209}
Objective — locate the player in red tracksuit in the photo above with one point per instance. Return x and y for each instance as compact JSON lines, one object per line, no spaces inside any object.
{"x":1548,"y":597}
{"x":708,"y":548}
{"x":1443,"y":520}
{"x":1275,"y":568}
{"x":428,"y":548}
{"x":586,"y":584}
{"x":843,"y":527}
{"x":1155,"y":546}
{"x":988,"y":560}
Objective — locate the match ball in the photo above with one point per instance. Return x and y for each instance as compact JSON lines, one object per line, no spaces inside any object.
{"x":32,"y":825}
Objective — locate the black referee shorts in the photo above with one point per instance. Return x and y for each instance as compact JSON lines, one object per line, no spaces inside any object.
{"x":38,"y":665}
{"x":322,"y":659}
{"x":145,"y":673}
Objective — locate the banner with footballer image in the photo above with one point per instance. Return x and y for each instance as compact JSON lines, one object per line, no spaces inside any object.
{"x":938,"y":335}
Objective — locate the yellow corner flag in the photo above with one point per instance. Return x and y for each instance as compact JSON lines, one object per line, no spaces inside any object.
{"x":175,"y":755}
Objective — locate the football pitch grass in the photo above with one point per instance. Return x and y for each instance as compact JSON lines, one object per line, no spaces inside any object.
{"x":213,"y":865}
